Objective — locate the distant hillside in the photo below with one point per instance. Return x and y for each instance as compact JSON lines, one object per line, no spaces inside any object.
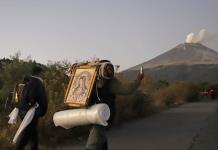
{"x":195,"y":73}
{"x":187,"y":61}
{"x":183,"y":54}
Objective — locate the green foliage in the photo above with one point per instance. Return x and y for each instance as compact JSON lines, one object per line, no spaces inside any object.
{"x":12,"y":72}
{"x":55,"y":78}
{"x":162,"y":83}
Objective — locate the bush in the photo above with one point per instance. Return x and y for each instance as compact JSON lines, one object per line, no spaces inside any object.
{"x":129,"y":107}
{"x":174,"y":94}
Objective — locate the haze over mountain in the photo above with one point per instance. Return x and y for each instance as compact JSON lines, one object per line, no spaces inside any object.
{"x":187,"y":61}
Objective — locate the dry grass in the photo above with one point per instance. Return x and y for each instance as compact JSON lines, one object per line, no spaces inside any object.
{"x":175,"y":94}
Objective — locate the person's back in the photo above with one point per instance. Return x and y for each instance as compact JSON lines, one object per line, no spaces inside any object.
{"x":105,"y":90}
{"x":34,"y":94}
{"x":39,"y":95}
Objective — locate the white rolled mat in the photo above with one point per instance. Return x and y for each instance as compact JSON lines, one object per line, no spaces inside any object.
{"x":26,"y":121}
{"x":96,"y":114}
{"x":13,"y":116}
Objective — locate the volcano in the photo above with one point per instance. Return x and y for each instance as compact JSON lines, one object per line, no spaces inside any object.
{"x":187,"y":61}
{"x":183,"y":54}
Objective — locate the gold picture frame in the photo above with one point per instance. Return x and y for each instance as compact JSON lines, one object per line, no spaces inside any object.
{"x":18,"y":92}
{"x":80,"y":86}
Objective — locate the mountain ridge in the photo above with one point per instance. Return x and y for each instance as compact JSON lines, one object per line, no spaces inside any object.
{"x":182,"y":54}
{"x":185,"y":62}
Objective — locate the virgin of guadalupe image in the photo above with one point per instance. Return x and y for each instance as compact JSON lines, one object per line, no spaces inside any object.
{"x":80,"y":88}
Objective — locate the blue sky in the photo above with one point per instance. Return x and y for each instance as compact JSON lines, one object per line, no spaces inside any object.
{"x":127,"y":32}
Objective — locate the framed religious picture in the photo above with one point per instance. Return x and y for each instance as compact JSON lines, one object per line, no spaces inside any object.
{"x":80,"y":86}
{"x":18,"y":92}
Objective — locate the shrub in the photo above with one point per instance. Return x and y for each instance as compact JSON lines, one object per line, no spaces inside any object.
{"x":174,"y":94}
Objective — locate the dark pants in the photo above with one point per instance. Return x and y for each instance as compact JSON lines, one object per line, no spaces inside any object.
{"x":97,"y":138}
{"x":29,"y":134}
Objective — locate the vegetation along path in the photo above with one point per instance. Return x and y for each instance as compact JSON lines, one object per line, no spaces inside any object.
{"x":192,"y":126}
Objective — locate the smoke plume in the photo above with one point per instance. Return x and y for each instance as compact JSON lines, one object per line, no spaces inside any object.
{"x":189,"y":38}
{"x":209,"y":39}
{"x":195,"y":38}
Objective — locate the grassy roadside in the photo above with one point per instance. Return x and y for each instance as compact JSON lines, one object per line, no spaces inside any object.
{"x":151,"y":97}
